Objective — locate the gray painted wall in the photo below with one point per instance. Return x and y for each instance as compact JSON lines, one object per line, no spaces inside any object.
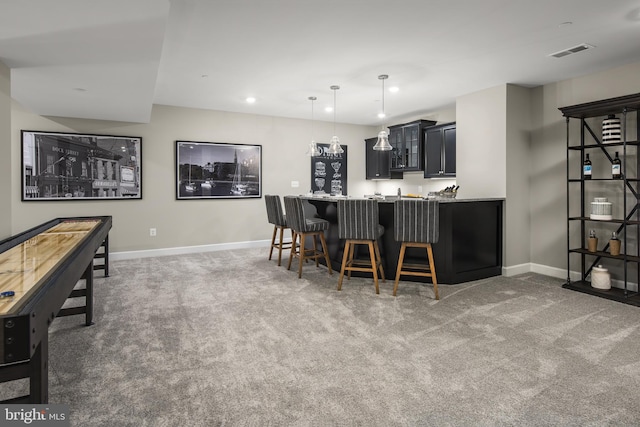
{"x":6,"y":174}
{"x":191,"y":222}
{"x":548,"y":154}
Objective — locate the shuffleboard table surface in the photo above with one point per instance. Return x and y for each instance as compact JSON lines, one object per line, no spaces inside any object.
{"x":26,"y":266}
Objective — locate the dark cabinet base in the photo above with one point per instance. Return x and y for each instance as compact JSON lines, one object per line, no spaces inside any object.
{"x":470,"y":245}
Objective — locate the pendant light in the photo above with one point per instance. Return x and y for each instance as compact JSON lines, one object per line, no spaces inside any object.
{"x":383,"y":136}
{"x":313,"y":146}
{"x":334,"y":144}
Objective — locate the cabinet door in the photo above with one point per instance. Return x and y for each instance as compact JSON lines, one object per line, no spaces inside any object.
{"x":449,"y":151}
{"x":433,"y":147}
{"x":379,"y":162}
{"x":413,"y":148}
{"x":397,"y":154}
{"x":440,"y":151}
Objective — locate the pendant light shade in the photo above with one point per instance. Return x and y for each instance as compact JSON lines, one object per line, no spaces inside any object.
{"x":313,"y":146}
{"x":334,"y":144}
{"x":383,"y":136}
{"x":383,"y":142}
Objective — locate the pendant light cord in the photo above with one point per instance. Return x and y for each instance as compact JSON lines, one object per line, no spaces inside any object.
{"x":334,"y":110}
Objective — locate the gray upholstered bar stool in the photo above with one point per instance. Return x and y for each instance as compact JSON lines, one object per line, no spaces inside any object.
{"x":358,"y":224}
{"x":417,"y":225}
{"x":275,"y":216}
{"x":301,"y":228}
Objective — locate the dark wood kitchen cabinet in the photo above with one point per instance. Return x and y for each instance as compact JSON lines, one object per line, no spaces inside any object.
{"x":378,"y":162}
{"x":440,"y":151}
{"x":407,"y":141}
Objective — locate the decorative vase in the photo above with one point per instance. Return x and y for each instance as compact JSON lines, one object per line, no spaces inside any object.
{"x":611,"y":129}
{"x":600,"y":278}
{"x":601,"y":209}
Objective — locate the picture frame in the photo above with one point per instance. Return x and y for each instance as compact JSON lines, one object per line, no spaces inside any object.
{"x":59,"y":166}
{"x":216,"y":170}
{"x":329,"y":172}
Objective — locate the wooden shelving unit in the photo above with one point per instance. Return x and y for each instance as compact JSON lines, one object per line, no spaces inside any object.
{"x":626,"y":225}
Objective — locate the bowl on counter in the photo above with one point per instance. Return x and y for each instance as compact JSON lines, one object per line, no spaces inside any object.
{"x":442,"y":194}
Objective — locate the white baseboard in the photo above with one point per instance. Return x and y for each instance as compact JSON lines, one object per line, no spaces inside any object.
{"x":116,"y":256}
{"x":560,"y":273}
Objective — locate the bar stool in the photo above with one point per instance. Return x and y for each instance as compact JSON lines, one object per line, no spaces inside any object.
{"x":358,"y":224}
{"x":275,"y":216}
{"x":417,"y":225}
{"x":301,"y":228}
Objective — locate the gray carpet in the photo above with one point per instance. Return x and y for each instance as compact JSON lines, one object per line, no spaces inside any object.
{"x":230,"y":339}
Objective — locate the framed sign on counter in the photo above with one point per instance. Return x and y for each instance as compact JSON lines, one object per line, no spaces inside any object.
{"x":329,"y":172}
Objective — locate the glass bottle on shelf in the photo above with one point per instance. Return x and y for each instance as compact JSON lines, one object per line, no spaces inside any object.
{"x":616,"y":172}
{"x":592,"y":243}
{"x":614,"y":244}
{"x":586,"y":168}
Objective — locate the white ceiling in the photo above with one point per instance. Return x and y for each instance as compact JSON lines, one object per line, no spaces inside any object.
{"x":113,"y":59}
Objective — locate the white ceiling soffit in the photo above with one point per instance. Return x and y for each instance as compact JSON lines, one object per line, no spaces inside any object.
{"x":85,"y":59}
{"x":113,"y":59}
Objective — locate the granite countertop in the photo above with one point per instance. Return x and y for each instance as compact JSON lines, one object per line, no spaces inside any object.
{"x":391,"y":199}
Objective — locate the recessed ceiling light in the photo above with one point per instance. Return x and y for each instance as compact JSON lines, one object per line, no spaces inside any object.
{"x":251,"y":100}
{"x":204,"y":76}
{"x":565,"y":24}
{"x":328,"y":109}
{"x":381,"y":115}
{"x":79,"y":89}
{"x":394,"y":89}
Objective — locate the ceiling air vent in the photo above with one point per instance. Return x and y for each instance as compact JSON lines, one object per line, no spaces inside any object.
{"x":572,"y":50}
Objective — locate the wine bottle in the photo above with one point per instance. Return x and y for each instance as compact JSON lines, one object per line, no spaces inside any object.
{"x":616,"y":172}
{"x":586,"y":168}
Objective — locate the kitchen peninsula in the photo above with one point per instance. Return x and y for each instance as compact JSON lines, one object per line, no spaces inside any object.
{"x":469,"y":248}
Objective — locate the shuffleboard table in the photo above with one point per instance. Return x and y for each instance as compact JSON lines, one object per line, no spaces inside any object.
{"x":39,"y":270}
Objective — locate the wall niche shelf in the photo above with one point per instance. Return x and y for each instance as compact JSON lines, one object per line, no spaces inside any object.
{"x":625,"y":193}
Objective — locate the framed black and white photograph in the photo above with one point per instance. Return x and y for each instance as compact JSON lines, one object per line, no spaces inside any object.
{"x":213,"y":170}
{"x":74,"y":166}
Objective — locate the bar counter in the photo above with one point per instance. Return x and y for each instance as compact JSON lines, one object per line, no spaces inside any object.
{"x":469,"y":248}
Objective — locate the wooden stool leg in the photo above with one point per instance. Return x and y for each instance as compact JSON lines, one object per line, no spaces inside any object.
{"x":400,"y":261}
{"x":315,"y":251}
{"x":280,"y":246}
{"x":302,"y":253}
{"x":273,"y":241}
{"x":326,"y":252}
{"x":351,"y":258}
{"x":344,"y":263}
{"x":294,"y":237}
{"x":379,"y":259}
{"x":374,"y":267}
{"x":432,"y":267}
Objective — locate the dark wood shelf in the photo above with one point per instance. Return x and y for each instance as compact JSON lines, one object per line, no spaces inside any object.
{"x":613,"y":221}
{"x":603,"y":179}
{"x":590,"y":143}
{"x":630,"y":258}
{"x":604,"y":145}
{"x":615,"y":294}
{"x":603,"y":107}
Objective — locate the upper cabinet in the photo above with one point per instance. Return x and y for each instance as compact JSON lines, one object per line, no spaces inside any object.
{"x":379,"y":162}
{"x":440,"y":151}
{"x":407,"y":141}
